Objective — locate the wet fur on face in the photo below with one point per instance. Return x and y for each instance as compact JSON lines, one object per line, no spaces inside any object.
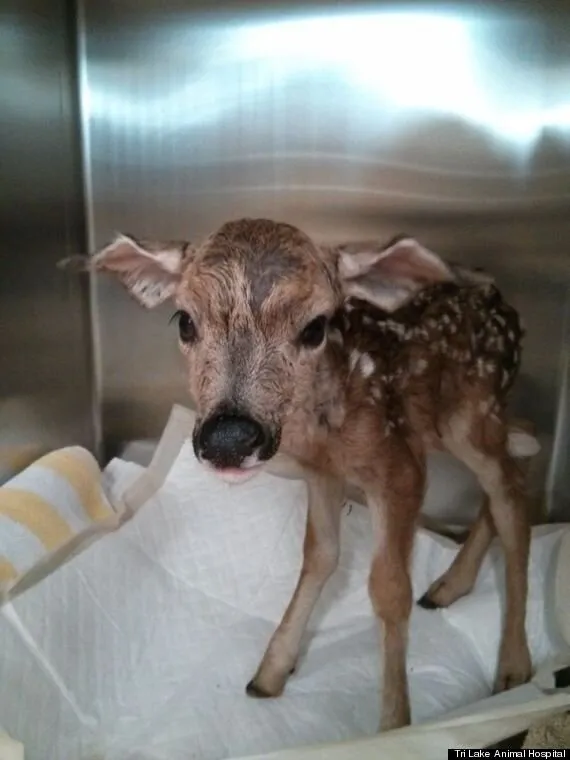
{"x":250,"y":290}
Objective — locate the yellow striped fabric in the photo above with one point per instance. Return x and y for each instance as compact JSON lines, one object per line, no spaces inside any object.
{"x":45,"y":507}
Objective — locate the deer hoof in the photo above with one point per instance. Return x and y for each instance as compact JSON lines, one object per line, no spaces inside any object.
{"x":445,"y":591}
{"x":394,"y":721}
{"x":253,"y":690}
{"x":427,"y":602}
{"x":511,"y":679}
{"x":515,"y":669}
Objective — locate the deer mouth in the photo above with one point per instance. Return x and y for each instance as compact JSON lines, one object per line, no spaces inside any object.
{"x":236,"y":475}
{"x":247,"y":469}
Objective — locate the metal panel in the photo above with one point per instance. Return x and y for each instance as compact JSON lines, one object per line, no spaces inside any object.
{"x":451,"y":123}
{"x":45,"y":386}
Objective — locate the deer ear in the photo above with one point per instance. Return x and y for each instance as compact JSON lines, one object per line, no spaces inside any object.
{"x":390,"y":277}
{"x":150,"y":271}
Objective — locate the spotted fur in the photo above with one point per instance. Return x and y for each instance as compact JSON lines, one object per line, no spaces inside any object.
{"x":454,"y":333}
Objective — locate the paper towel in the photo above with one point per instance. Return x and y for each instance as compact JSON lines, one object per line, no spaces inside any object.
{"x":140,"y":648}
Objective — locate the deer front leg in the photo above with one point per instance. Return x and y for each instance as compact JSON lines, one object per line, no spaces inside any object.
{"x":393,"y":517}
{"x":320,"y":559}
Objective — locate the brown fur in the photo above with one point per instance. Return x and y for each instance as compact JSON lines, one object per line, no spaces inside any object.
{"x":364,"y":408}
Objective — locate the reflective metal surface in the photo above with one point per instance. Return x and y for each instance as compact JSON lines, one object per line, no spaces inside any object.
{"x":451,"y":123}
{"x":45,"y":375}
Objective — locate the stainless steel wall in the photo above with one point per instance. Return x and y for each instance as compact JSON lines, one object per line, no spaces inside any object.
{"x":45,"y":365}
{"x":449,"y":122}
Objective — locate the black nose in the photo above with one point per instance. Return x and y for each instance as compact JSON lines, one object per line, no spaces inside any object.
{"x":226,"y":440}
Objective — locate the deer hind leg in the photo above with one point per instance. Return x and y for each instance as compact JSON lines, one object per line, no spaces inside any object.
{"x":481,"y":443}
{"x":394,"y":509}
{"x":460,"y":578}
{"x":320,"y":559}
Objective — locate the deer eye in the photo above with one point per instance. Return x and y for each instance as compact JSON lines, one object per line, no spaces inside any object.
{"x":186,"y":327}
{"x":313,"y":334}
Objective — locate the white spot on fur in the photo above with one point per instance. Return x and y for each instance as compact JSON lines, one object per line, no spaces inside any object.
{"x":420,"y":366}
{"x":396,"y":327}
{"x":367,"y":365}
{"x":354,"y":358}
{"x":376,"y":392}
{"x":522,"y":445}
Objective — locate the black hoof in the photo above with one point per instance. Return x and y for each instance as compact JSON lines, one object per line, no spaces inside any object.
{"x":252,"y":690}
{"x":427,"y":603}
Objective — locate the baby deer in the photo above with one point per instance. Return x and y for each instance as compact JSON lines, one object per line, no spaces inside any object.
{"x":352,"y":362}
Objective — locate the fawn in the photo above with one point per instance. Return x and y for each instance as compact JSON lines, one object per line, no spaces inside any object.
{"x":351,"y":362}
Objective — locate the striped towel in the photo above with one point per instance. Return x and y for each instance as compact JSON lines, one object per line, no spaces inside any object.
{"x":45,"y":513}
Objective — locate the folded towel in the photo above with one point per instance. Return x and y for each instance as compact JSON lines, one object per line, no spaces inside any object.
{"x":46,"y":511}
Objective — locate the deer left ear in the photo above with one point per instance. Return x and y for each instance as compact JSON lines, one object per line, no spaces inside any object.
{"x":149,"y":270}
{"x":390,"y":277}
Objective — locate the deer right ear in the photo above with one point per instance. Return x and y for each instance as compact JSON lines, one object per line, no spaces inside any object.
{"x":150,"y":271}
{"x":390,"y":277}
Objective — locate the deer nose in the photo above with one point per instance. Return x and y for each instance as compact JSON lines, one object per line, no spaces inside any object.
{"x":225,"y":440}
